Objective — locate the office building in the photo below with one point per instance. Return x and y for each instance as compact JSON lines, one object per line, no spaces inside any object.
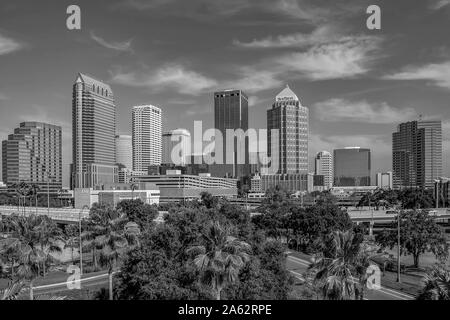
{"x":33,"y":154}
{"x":291,"y":119}
{"x":94,"y":132}
{"x":147,"y":132}
{"x":176,"y":147}
{"x":287,"y":182}
{"x":175,"y":186}
{"x":324,"y":167}
{"x":112,"y":194}
{"x":352,"y":167}
{"x":124,"y":151}
{"x":417,"y":154}
{"x":384,"y":180}
{"x":231,"y":112}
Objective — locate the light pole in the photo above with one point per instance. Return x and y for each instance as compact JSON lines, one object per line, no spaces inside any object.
{"x":398,"y":246}
{"x":79,"y":240}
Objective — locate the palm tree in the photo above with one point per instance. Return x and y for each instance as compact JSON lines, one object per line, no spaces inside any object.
{"x":220,"y":259}
{"x":341,"y":271}
{"x":15,"y":291}
{"x":34,"y":192}
{"x":437,"y":285}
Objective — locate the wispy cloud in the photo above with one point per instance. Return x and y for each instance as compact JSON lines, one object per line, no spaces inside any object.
{"x":254,"y":79}
{"x":174,"y":76}
{"x":439,"y":4}
{"x":124,"y":46}
{"x":436,"y":73}
{"x":320,"y":35}
{"x":347,"y":58}
{"x":340,"y":110}
{"x":9,"y":45}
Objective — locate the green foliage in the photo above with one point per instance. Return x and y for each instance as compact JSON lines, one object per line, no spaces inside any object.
{"x":437,"y":284}
{"x":137,"y":211}
{"x":336,"y":269}
{"x":419,"y":233}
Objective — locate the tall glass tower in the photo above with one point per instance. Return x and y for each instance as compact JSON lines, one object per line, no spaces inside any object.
{"x":33,"y":154}
{"x":292,"y":120}
{"x":352,"y":167}
{"x":94,"y":131}
{"x":417,"y":154}
{"x":147,"y":135}
{"x":231,"y":112}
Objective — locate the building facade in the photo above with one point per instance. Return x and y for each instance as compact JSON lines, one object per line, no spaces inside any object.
{"x":287,"y":182}
{"x":177,"y":141}
{"x":417,"y":154}
{"x":124,"y":151}
{"x":384,"y":180}
{"x":324,"y":167}
{"x":231,"y":112}
{"x":352,"y":167}
{"x":94,"y":132}
{"x":175,"y":186}
{"x":147,"y":135}
{"x":33,"y":154}
{"x":291,"y":119}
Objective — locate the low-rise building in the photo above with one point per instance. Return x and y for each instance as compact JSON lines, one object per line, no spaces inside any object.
{"x":175,"y":186}
{"x":113,"y":194}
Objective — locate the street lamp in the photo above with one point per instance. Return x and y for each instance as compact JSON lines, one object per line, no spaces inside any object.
{"x":80,"y":241}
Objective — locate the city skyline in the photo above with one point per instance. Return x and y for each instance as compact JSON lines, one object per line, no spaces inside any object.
{"x":353,"y":100}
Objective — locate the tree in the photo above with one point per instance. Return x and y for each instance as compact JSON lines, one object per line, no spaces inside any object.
{"x":220,"y":258}
{"x":71,"y":233}
{"x":341,"y":263}
{"x":419,"y":233}
{"x":208,"y":200}
{"x":437,"y":284}
{"x":137,"y":211}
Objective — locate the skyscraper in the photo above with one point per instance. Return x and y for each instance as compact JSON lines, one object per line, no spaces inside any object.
{"x":173,"y":139}
{"x":292,"y":120}
{"x":147,"y":131}
{"x":352,"y":167}
{"x":33,"y":154}
{"x":324,"y":167}
{"x":417,"y":154}
{"x":231,"y":112}
{"x":94,"y":131}
{"x":124,"y":151}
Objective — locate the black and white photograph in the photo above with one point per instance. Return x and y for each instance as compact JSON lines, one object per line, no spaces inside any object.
{"x":225,"y":157}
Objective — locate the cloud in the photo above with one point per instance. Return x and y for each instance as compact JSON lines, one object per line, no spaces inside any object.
{"x":171,"y":75}
{"x":124,"y":46}
{"x":320,"y":35}
{"x":254,"y":79}
{"x":347,"y":58}
{"x":8,"y":45}
{"x":436,"y":73}
{"x":439,"y":4}
{"x":340,"y":110}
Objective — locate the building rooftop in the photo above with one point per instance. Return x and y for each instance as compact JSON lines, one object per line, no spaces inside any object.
{"x":287,"y":94}
{"x":82,"y":77}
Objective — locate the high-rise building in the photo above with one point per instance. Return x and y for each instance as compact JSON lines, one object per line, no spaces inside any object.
{"x":417,"y":154}
{"x":178,"y":141}
{"x":33,"y":154}
{"x":94,"y":132}
{"x":291,"y":119}
{"x":324,"y":167}
{"x":352,"y":167}
{"x":147,"y":132}
{"x":231,"y":112}
{"x":124,"y":151}
{"x":384,"y":180}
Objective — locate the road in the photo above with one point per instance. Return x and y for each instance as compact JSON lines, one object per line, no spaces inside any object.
{"x":297,"y":266}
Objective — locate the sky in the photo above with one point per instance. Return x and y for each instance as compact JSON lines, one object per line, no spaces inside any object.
{"x":358,"y":83}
